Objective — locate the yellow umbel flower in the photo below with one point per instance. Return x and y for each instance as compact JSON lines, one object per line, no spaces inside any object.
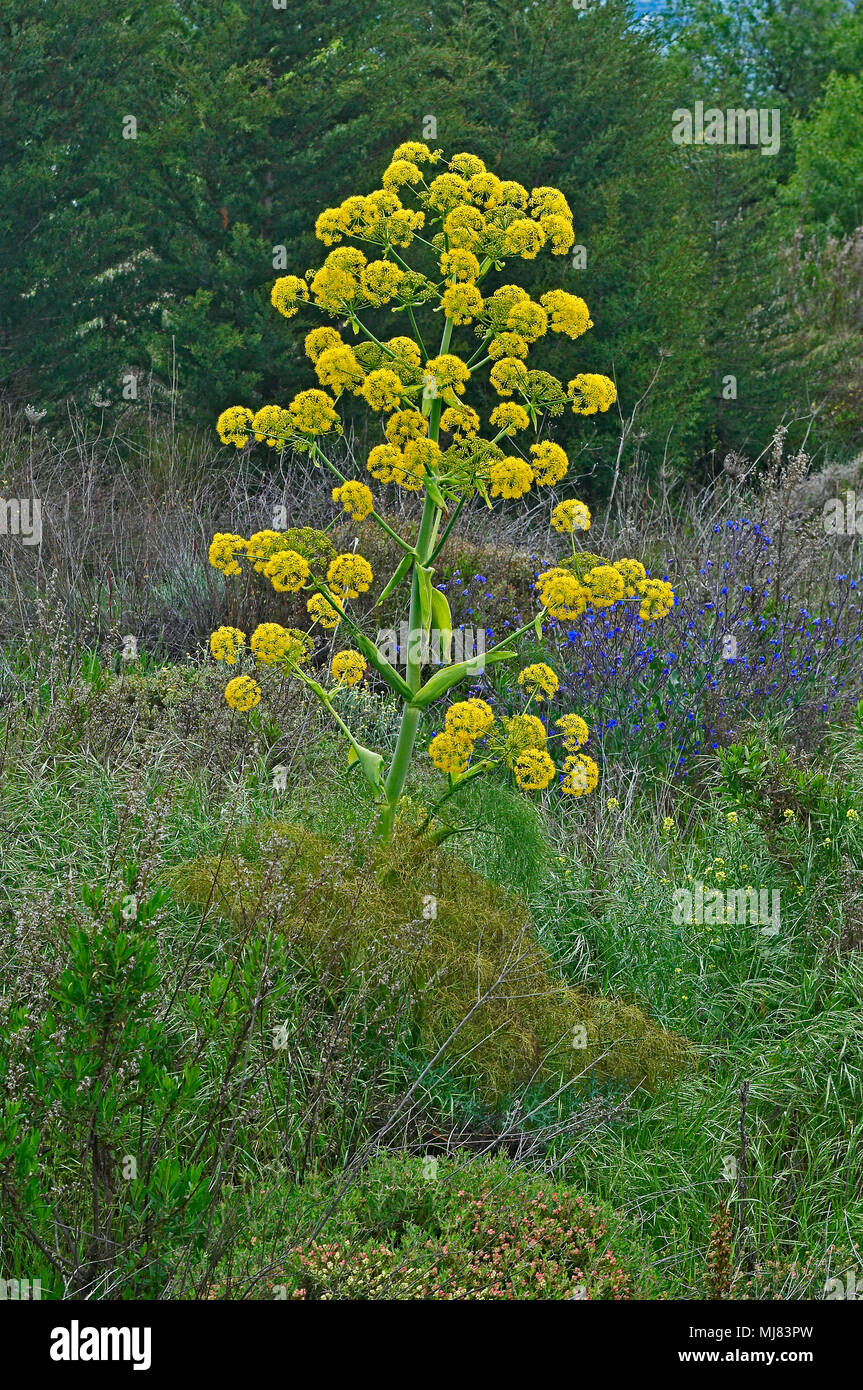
{"x":380,"y":280}
{"x":559,"y":233}
{"x":332,"y":225}
{"x":534,"y":770}
{"x":539,"y":680}
{"x":382,"y":389}
{"x":383,"y":460}
{"x":410,"y":469}
{"x":508,"y":345}
{"x":590,"y":393}
{"x":473,"y":717}
{"x":233,"y":425}
{"x":508,"y":375}
{"x":406,"y":350}
{"x":568,"y":313}
{"x":320,"y":610}
{"x":527,"y":319}
{"x":242,"y":693}
{"x":574,"y":730}
{"x":570,"y":516}
{"x":416,"y":152}
{"x":451,"y":751}
{"x":524,"y":238}
{"x":224,"y":548}
{"x":522,"y":731}
{"x":510,"y":417}
{"x":349,"y":575}
{"x":459,"y":264}
{"x":262,"y":546}
{"x":348,"y":667}
{"x":271,"y":423}
{"x":462,"y":423}
{"x":400,"y":173}
{"x":447,"y":370}
{"x":273,"y":644}
{"x":633,"y":572}
{"x":334,"y":287}
{"x":312,"y":412}
{"x":356,"y":499}
{"x":470,"y":166}
{"x":604,"y":585}
{"x":287,"y":571}
{"x":461,"y":303}
{"x":446,"y":191}
{"x":549,"y":202}
{"x":513,"y":194}
{"x":484,"y":189}
{"x":580,"y":775}
{"x":657,"y":599}
{"x":404,"y":425}
{"x":319,"y":340}
{"x":339,"y":368}
{"x":226,"y":644}
{"x":288,"y":293}
{"x":562,"y":594}
{"x":550,"y":463}
{"x":510,"y":477}
{"x":464,"y":227}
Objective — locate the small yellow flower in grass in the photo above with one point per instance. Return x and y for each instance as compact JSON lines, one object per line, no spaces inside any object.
{"x":612,"y":804}
{"x":510,"y":477}
{"x":356,"y":499}
{"x":534,"y":770}
{"x":320,"y":610}
{"x":570,"y":516}
{"x":800,"y":888}
{"x":288,"y":293}
{"x":226,"y":643}
{"x":549,"y":463}
{"x":473,"y":717}
{"x":668,"y":822}
{"x":580,"y":775}
{"x":242,"y":693}
{"x":789,"y":814}
{"x":224,"y":548}
{"x":233,"y":425}
{"x":350,"y":575}
{"x":732,"y":817}
{"x":450,"y":751}
{"x":852,"y":815}
{"x":721,"y":876}
{"x":348,"y":667}
{"x":539,"y":680}
{"x":575,"y":732}
{"x":287,"y":571}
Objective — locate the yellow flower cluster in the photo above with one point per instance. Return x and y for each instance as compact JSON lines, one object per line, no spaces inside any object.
{"x":446,"y":370}
{"x":243,"y":693}
{"x":348,"y":667}
{"x":288,"y":293}
{"x":567,"y":313}
{"x":226,"y":644}
{"x":451,"y":751}
{"x":356,"y":499}
{"x":522,"y":731}
{"x":570,"y":516}
{"x":349,"y":575}
{"x":657,"y":599}
{"x":510,"y":477}
{"x":320,"y":610}
{"x":224,"y":549}
{"x":573,"y":730}
{"x":580,"y":775}
{"x":534,"y":770}
{"x":311,"y":412}
{"x":561,"y":593}
{"x":590,"y":393}
{"x":605,"y":585}
{"x":539,"y":680}
{"x":275,"y":645}
{"x":510,"y":417}
{"x":633,"y":572}
{"x":550,"y":463}
{"x":473,"y":717}
{"x":271,"y":425}
{"x":287,"y":571}
{"x":262,"y":546}
{"x":233,"y":425}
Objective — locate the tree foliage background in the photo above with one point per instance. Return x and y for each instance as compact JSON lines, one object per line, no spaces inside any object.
{"x":153,"y":256}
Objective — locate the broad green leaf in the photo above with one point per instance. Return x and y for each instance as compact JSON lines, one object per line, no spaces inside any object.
{"x":441,"y":681}
{"x":403,"y":568}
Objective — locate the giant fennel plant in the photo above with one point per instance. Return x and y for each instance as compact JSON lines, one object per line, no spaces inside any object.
{"x":460,"y":222}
